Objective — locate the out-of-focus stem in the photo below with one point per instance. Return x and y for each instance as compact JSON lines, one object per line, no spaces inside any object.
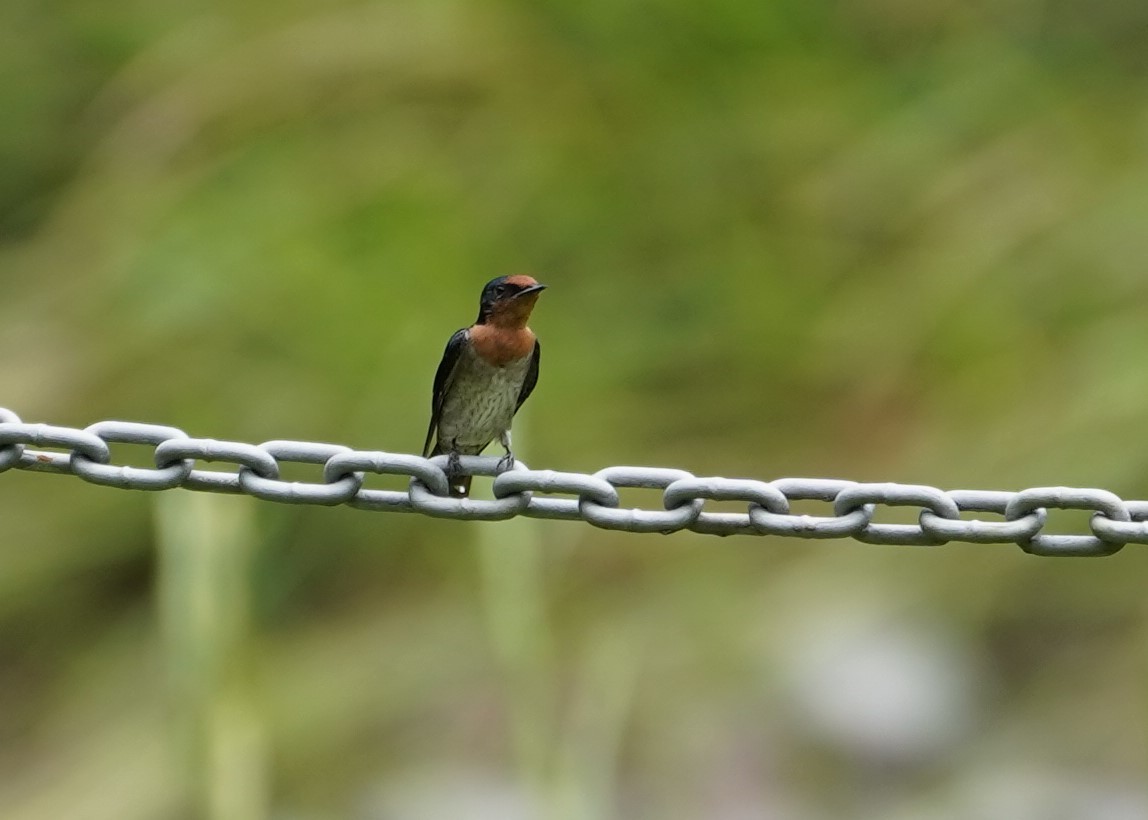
{"x":205,"y":548}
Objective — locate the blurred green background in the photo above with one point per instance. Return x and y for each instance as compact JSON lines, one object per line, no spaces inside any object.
{"x":882,"y":240}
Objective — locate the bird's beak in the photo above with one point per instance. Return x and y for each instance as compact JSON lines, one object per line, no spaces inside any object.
{"x":531,"y":289}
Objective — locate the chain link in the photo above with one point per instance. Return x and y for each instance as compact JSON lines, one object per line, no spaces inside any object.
{"x":520,"y":491}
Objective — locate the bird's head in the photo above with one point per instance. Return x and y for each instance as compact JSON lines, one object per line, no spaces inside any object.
{"x":508,"y":300}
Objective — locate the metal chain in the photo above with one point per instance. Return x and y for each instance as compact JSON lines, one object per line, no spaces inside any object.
{"x":518,"y":490}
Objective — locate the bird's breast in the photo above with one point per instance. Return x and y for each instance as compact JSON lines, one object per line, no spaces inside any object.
{"x":481,"y":398}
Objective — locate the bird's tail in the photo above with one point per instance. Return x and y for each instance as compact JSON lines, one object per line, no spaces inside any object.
{"x":460,"y":486}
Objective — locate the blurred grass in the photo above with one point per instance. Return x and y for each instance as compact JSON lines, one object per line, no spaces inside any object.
{"x":882,"y":240}
{"x":205,"y":547}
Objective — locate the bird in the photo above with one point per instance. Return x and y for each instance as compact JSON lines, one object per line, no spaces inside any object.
{"x":487,"y":371}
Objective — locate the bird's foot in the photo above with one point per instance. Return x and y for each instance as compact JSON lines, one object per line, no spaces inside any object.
{"x":459,"y":482}
{"x":506,"y":462}
{"x":453,"y":465}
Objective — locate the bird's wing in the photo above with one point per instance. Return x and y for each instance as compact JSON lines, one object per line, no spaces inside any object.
{"x":442,"y":379}
{"x":531,"y":376}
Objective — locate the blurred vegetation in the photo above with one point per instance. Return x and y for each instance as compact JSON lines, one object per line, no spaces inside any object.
{"x":884,"y":240}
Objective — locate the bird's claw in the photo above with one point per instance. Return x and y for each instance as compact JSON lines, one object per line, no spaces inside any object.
{"x":506,"y":462}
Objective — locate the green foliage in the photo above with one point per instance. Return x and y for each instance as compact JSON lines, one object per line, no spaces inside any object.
{"x":883,"y":240}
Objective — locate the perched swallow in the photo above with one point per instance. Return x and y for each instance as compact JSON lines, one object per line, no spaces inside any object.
{"x":487,"y":371}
